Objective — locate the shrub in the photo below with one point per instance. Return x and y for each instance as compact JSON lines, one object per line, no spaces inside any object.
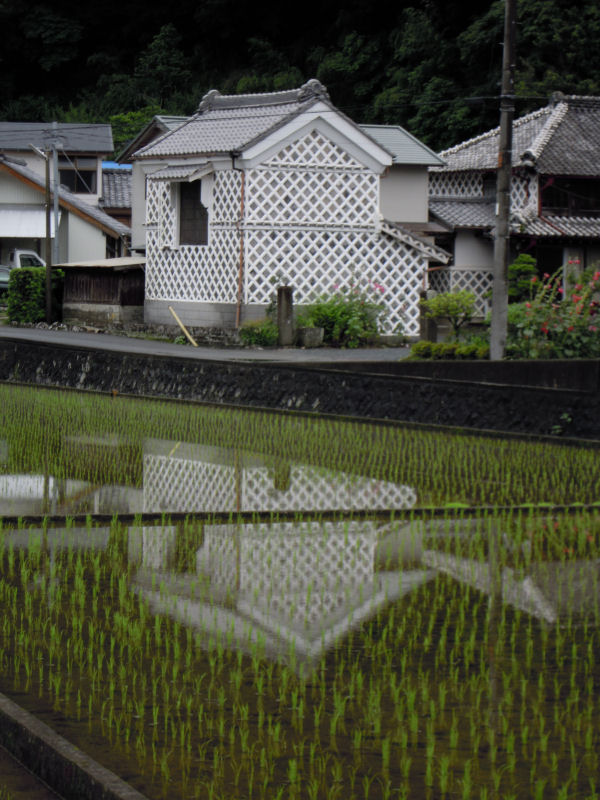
{"x":555,"y":323}
{"x":421,"y":349}
{"x":457,"y":307}
{"x":27,"y":295}
{"x":520,"y":273}
{"x":476,"y":348}
{"x":349,"y":317}
{"x":261,"y":333}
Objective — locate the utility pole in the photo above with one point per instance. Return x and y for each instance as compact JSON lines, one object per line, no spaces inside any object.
{"x":55,"y":183}
{"x":502,"y":232}
{"x":48,"y":250}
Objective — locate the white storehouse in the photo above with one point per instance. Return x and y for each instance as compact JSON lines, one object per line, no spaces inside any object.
{"x":256,"y":191}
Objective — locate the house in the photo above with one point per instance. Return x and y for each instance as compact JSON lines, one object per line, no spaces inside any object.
{"x":116,"y":191}
{"x":261,"y":190}
{"x":85,"y":230}
{"x":555,"y":195}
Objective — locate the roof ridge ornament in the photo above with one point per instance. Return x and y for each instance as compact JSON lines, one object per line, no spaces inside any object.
{"x":313,"y":88}
{"x":207,"y":101}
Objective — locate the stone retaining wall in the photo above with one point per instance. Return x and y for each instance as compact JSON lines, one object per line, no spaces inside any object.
{"x":470,"y":404}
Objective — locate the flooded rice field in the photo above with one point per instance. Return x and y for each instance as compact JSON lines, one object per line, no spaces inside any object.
{"x":287,"y":607}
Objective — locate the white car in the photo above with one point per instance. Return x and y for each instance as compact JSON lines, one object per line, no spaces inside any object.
{"x":4,"y":273}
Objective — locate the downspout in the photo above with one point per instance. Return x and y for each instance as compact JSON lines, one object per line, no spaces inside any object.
{"x":240,"y":288}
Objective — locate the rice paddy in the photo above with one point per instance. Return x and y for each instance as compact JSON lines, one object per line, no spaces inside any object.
{"x":242,"y":628}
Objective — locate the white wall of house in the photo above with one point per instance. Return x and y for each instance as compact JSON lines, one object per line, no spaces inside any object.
{"x":472,"y":250}
{"x":139,"y":171}
{"x":85,"y":241}
{"x":15,"y":192}
{"x":404,"y":194}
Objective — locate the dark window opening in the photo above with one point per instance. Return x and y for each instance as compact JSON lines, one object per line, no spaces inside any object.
{"x":193,"y":215}
{"x":78,"y":175}
{"x":576,"y":197}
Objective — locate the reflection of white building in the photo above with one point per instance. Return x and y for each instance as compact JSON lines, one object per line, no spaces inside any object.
{"x":35,"y":495}
{"x":189,"y":477}
{"x":286,"y":586}
{"x":546,"y":590}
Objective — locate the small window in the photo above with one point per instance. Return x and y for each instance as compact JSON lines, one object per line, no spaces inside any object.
{"x":78,"y":175}
{"x":193,"y":215}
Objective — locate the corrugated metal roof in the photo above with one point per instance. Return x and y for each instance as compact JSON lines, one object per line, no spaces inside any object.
{"x":125,"y":262}
{"x":403,"y":146}
{"x":73,"y":137}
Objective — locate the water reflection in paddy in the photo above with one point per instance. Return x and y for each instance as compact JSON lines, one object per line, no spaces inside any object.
{"x":321,"y":654}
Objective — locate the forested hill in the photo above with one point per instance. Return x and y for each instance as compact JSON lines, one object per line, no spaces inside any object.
{"x":432,"y":66}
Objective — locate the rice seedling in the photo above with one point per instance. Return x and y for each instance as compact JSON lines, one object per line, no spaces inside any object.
{"x":235,"y":658}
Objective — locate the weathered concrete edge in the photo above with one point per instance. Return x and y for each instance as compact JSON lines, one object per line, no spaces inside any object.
{"x":537,"y":411}
{"x":62,"y":766}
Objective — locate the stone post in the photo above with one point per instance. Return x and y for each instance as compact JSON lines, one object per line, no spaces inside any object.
{"x":285,"y":316}
{"x":427,"y":325}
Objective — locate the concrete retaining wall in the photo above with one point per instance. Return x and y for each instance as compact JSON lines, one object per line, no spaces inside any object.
{"x":63,"y":767}
{"x":470,"y":404}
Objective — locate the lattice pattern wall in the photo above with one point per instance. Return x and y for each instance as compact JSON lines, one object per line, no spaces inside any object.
{"x":311,"y":197}
{"x":315,"y":261}
{"x":524,"y":193}
{"x":304,"y":575}
{"x":176,"y":484}
{"x":455,"y":279}
{"x":455,"y":184}
{"x":314,"y":150}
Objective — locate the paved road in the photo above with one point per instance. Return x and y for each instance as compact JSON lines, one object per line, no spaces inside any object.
{"x":128,"y":344}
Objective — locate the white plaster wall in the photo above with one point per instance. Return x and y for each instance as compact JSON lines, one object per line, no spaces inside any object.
{"x":472,"y":251}
{"x":138,"y":206}
{"x":84,"y":240}
{"x":14,"y":191}
{"x":403,"y":194}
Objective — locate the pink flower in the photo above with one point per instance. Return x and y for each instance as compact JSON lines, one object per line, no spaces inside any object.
{"x":546,"y":275}
{"x":596,"y":276}
{"x":527,"y":305}
{"x":534,"y":279}
{"x":576,"y":298}
{"x":560,"y":290}
{"x":593,"y":328}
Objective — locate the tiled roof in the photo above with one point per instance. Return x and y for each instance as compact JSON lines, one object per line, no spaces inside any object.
{"x":480,"y":214}
{"x":403,"y":146}
{"x":116,"y":188}
{"x":424,"y":246}
{"x":464,"y":213}
{"x":158,"y":125}
{"x":68,"y":198}
{"x":229,"y":123}
{"x":73,"y":137}
{"x":578,"y":227}
{"x":563,"y":138}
